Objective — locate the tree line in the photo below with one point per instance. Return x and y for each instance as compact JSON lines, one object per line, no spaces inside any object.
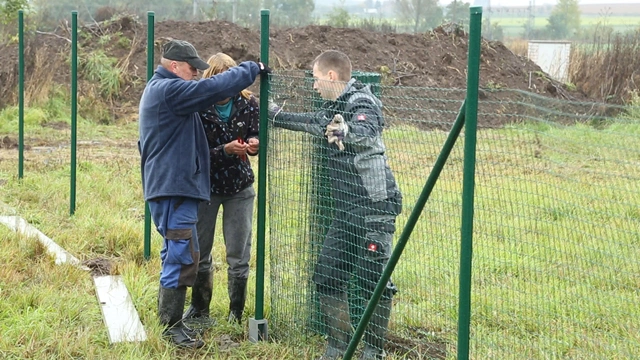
{"x":410,"y":15}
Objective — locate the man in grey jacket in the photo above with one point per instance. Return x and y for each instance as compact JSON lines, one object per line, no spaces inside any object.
{"x":366,"y":200}
{"x":175,"y":167}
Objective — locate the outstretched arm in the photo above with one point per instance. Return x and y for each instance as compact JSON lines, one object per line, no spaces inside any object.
{"x":311,"y":122}
{"x":186,"y":97}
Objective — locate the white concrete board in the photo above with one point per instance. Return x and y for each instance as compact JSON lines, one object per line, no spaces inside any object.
{"x":60,"y":255}
{"x":119,"y":314}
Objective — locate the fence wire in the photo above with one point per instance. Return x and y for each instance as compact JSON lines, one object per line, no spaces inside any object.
{"x":556,"y":269}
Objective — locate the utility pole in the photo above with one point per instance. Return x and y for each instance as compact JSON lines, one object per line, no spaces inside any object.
{"x":488,"y":12}
{"x":532,"y":18}
{"x":233,"y":11}
{"x":454,"y":9}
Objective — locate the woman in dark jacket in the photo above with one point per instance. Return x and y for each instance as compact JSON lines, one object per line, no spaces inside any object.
{"x":231,"y":127}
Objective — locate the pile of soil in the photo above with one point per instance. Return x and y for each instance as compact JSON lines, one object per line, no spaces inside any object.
{"x":436,"y":59}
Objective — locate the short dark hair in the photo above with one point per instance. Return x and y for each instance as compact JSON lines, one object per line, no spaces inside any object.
{"x":334,"y":60}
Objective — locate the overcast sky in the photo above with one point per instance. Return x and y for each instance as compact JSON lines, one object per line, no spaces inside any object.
{"x":542,"y":2}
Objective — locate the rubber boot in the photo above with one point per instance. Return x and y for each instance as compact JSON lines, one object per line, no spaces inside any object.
{"x":170,"y":306}
{"x":197,"y":315}
{"x":375,"y":332}
{"x":237,"y":288}
{"x":336,"y":311}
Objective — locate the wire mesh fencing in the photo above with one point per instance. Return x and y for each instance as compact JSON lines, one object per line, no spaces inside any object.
{"x":556,"y":231}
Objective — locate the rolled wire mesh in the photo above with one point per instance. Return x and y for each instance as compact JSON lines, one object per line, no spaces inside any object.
{"x":555,"y":270}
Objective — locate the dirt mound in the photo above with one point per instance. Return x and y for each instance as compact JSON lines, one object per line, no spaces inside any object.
{"x":433,"y":59}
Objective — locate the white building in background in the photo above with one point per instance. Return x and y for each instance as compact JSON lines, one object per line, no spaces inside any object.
{"x":552,"y":56}
{"x":486,"y":4}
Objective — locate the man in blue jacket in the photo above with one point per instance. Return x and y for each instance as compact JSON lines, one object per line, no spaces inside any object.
{"x":175,"y":167}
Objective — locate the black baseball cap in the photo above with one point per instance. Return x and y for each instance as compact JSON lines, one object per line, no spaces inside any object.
{"x":180,"y":50}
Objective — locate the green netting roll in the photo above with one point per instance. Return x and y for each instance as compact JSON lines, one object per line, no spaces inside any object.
{"x":322,"y":206}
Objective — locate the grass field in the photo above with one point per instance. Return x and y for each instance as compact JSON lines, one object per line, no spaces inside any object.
{"x":515,"y":26}
{"x":556,"y":272}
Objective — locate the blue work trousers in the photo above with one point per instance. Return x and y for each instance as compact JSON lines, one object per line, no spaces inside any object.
{"x":175,"y":219}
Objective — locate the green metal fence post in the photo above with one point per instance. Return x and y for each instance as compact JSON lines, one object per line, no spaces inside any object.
{"x":468,"y":182}
{"x":74,"y":106}
{"x":406,"y":232}
{"x":150,"y":53}
{"x":258,"y":326}
{"x":20,"y":94}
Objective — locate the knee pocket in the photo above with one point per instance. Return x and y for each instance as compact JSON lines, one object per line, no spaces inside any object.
{"x":179,"y":246}
{"x":380,"y":230}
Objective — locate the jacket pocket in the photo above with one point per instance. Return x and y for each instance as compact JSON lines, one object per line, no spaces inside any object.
{"x":371,"y":171}
{"x":197,"y":165}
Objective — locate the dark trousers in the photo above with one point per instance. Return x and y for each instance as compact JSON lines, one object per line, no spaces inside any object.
{"x":236,"y":228}
{"x":359,"y":242}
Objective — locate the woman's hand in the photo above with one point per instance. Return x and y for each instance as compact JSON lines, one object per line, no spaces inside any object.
{"x":254,"y":145}
{"x":236,"y":148}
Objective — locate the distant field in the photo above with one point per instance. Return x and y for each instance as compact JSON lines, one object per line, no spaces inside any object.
{"x":514,"y":26}
{"x":614,"y":9}
{"x":584,"y":20}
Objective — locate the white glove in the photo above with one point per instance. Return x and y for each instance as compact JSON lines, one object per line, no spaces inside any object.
{"x":274,"y":108}
{"x":337,"y":129}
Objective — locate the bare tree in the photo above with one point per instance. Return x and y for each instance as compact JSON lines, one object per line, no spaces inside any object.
{"x":422,"y":14}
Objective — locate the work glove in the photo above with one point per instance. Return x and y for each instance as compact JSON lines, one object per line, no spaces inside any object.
{"x":273,"y":107}
{"x":337,"y":129}
{"x":264,"y":69}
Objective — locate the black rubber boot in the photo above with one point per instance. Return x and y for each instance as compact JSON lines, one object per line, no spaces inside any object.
{"x":336,"y":311}
{"x":197,"y":315}
{"x":376,"y":330}
{"x":170,"y":306}
{"x":237,"y":288}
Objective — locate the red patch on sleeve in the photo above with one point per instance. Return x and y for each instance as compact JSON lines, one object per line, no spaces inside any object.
{"x":372,"y":247}
{"x":361,"y":117}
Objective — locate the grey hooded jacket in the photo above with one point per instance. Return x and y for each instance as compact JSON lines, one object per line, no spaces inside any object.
{"x":360,"y":173}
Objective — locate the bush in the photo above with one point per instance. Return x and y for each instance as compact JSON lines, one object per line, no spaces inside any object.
{"x":339,"y":17}
{"x":9,"y":17}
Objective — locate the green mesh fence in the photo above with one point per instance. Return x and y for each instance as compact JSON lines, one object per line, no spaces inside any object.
{"x":556,"y":267}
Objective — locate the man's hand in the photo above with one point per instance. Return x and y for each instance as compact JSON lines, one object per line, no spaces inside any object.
{"x":337,"y":129}
{"x":273,"y":107}
{"x":236,"y":148}
{"x":254,"y":144}
{"x":264,"y":69}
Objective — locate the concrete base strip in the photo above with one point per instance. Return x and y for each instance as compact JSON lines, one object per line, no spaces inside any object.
{"x":61,"y":256}
{"x":119,"y":313}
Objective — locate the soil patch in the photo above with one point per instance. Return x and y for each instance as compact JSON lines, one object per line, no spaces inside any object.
{"x":58,"y":125}
{"x":435,"y":59}
{"x":99,"y":266}
{"x":9,"y":143}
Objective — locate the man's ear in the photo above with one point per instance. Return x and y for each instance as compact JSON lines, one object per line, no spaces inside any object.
{"x":333,"y":76}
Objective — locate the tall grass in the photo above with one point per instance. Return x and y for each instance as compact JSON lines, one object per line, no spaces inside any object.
{"x":518,"y":46}
{"x":99,"y":68}
{"x":606,"y":69}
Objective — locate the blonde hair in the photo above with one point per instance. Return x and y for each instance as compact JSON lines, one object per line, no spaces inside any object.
{"x":220,"y":63}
